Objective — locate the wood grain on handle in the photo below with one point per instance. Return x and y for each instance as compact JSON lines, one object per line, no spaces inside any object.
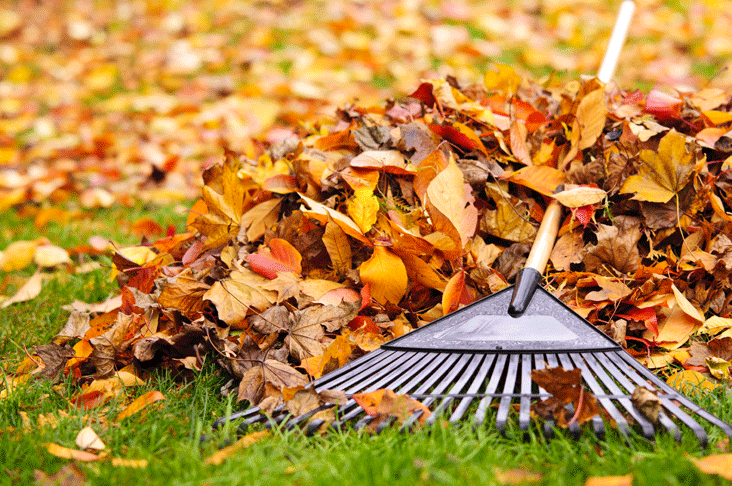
{"x":545,"y":237}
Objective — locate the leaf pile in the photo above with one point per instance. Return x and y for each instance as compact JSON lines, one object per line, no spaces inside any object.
{"x":307,"y":253}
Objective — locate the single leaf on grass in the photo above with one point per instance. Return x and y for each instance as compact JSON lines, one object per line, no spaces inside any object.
{"x":386,"y":274}
{"x":140,"y":403}
{"x":719,"y":464}
{"x":689,"y":381}
{"x":280,"y":256}
{"x":338,"y":248}
{"x":449,"y":195}
{"x":131,"y":463}
{"x":29,"y":291}
{"x":363,"y":208}
{"x":516,"y":476}
{"x":66,"y":453}
{"x":662,"y":174}
{"x":97,"y":393}
{"x":626,"y":480}
{"x":69,"y":475}
{"x":248,"y":440}
{"x":88,"y":439}
{"x":18,"y":255}
{"x":50,"y":256}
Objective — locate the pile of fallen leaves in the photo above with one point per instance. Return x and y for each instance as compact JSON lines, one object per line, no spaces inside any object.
{"x":305,"y":254}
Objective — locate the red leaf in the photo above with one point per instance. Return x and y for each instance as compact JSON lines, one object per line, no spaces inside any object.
{"x":663,"y":105}
{"x":365,"y":296}
{"x":424,"y":94}
{"x":364,"y":322}
{"x":456,"y":293}
{"x":281,"y":256}
{"x":454,"y":136}
{"x":646,"y":315}
{"x":584,"y":214}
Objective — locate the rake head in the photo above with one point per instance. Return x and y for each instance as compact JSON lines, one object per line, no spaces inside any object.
{"x":472,"y":361}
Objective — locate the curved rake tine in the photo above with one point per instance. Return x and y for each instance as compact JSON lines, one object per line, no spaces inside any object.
{"x":622,"y":378}
{"x":540,"y":364}
{"x":467,"y":368}
{"x":235,"y":416}
{"x":508,"y":388}
{"x":552,"y":361}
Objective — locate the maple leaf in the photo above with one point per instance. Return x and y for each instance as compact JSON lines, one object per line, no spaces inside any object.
{"x":663,"y":174}
{"x":617,"y":246}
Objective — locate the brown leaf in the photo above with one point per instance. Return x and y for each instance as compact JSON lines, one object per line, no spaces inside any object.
{"x":647,"y":403}
{"x":183,"y":292}
{"x":306,"y":332}
{"x":566,"y":388}
{"x":339,"y":250}
{"x":385,"y":403}
{"x":69,"y":475}
{"x":111,"y":343}
{"x":617,"y":246}
{"x":274,"y":319}
{"x":54,"y":359}
{"x":234,"y":296}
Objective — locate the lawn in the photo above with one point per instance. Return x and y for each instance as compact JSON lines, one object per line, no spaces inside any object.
{"x":110,"y":111}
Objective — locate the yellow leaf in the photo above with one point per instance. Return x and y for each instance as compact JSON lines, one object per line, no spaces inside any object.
{"x":18,"y":255}
{"x":626,"y":480}
{"x":448,"y":194}
{"x":718,"y":117}
{"x":337,"y":246}
{"x":591,"y":114}
{"x":66,"y":453}
{"x":323,"y":213}
{"x":221,"y":455}
{"x":50,"y":256}
{"x":260,"y":218}
{"x":675,"y":330}
{"x":502,"y":77}
{"x":470,"y":133}
{"x":386,"y":274}
{"x":133,"y":463}
{"x":139,"y":403}
{"x":234,"y":296}
{"x":580,"y":196}
{"x":719,"y":464}
{"x":716,"y":324}
{"x":687,"y":306}
{"x":363,"y":208}
{"x":662,"y":175}
{"x":687,"y":381}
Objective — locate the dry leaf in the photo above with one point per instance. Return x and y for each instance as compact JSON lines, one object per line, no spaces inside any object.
{"x":140,"y":403}
{"x":363,"y":208}
{"x":88,"y":439}
{"x":626,"y":480}
{"x":386,"y":274}
{"x":29,"y":291}
{"x":66,"y":453}
{"x":448,"y":194}
{"x":248,"y":440}
{"x":719,"y":464}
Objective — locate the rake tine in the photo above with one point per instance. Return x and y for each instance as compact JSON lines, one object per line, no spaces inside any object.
{"x":475,"y":385}
{"x":539,"y":363}
{"x":365,"y":375}
{"x":596,"y":388}
{"x":465,"y":374}
{"x":453,"y":371}
{"x":645,"y":424}
{"x":552,"y":359}
{"x":622,"y":378}
{"x":508,"y":388}
{"x":364,"y":363}
{"x":712,"y":419}
{"x":485,"y":402}
{"x":234,"y":416}
{"x":525,"y":403}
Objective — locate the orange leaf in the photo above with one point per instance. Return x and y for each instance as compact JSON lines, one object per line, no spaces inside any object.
{"x":456,"y":293}
{"x":281,"y":256}
{"x":448,"y":194}
{"x":66,"y":453}
{"x":543,"y":179}
{"x":719,"y":464}
{"x":140,"y":403}
{"x":386,"y":274}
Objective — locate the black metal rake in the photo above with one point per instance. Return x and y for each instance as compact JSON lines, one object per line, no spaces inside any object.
{"x":475,"y":359}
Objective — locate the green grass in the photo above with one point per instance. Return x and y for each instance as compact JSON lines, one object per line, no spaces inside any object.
{"x":168,"y":433}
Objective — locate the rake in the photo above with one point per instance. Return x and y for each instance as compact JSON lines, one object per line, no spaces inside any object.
{"x":482,"y":356}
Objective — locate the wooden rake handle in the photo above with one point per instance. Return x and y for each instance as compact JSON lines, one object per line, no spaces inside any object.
{"x":530,"y":276}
